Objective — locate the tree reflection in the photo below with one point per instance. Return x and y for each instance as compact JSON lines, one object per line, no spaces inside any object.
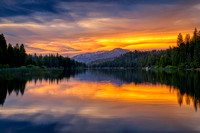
{"x":17,"y":84}
{"x":9,"y":86}
{"x":187,"y":83}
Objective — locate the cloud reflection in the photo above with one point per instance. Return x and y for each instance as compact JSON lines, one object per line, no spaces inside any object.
{"x":89,"y":104}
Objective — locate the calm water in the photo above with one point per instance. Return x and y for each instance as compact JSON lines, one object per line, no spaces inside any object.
{"x":101,"y":102}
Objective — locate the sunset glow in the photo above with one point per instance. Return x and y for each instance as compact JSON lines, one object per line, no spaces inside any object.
{"x":74,"y":27}
{"x":130,"y":93}
{"x":96,"y":99}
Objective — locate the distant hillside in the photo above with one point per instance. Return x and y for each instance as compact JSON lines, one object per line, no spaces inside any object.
{"x":100,"y":61}
{"x":185,"y":55}
{"x":100,"y":55}
{"x":130,"y":59}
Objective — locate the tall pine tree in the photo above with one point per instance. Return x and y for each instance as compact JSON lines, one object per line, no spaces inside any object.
{"x":10,"y":55}
{"x":3,"y":49}
{"x":22,"y":52}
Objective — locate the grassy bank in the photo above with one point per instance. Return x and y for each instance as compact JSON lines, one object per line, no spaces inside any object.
{"x":29,"y":71}
{"x":174,"y":68}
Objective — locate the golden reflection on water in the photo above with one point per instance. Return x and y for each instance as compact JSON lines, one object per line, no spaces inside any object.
{"x":107,"y":91}
{"x":102,"y":99}
{"x":96,"y":103}
{"x":137,"y":104}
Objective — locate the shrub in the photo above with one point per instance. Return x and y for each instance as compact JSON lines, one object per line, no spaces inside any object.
{"x":171,"y":67}
{"x":30,"y":66}
{"x":4,"y":66}
{"x":23,"y":67}
{"x":43,"y":67}
{"x":156,"y":67}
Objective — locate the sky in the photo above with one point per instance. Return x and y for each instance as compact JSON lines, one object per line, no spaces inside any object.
{"x":71,"y":27}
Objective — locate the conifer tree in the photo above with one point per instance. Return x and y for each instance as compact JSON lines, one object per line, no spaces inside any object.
{"x":10,"y":55}
{"x":3,"y":49}
{"x":179,"y":39}
{"x":22,"y":54}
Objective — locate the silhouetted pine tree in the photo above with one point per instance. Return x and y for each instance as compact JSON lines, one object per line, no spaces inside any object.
{"x":3,"y":49}
{"x":16,"y":56}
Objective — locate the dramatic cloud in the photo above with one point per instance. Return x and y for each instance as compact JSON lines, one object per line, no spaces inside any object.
{"x":71,"y":27}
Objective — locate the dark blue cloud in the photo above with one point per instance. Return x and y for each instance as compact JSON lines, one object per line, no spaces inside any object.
{"x":72,"y":123}
{"x":10,"y":34}
{"x":7,"y":8}
{"x":10,"y":8}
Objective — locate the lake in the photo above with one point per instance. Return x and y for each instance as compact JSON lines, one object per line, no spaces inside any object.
{"x":101,"y":101}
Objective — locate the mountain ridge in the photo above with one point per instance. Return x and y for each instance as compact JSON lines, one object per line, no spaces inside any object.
{"x":99,"y":55}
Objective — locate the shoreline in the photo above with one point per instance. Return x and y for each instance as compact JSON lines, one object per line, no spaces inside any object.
{"x":144,"y":68}
{"x":38,"y":71}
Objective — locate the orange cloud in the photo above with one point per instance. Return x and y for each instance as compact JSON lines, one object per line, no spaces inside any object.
{"x":82,"y":30}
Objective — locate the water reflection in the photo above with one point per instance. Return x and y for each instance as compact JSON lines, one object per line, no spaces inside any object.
{"x":17,"y":84}
{"x":9,"y":86}
{"x":186,"y":83}
{"x":101,"y":101}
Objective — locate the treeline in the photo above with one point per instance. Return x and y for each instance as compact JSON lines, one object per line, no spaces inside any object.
{"x":16,"y":56}
{"x":185,"y":55}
